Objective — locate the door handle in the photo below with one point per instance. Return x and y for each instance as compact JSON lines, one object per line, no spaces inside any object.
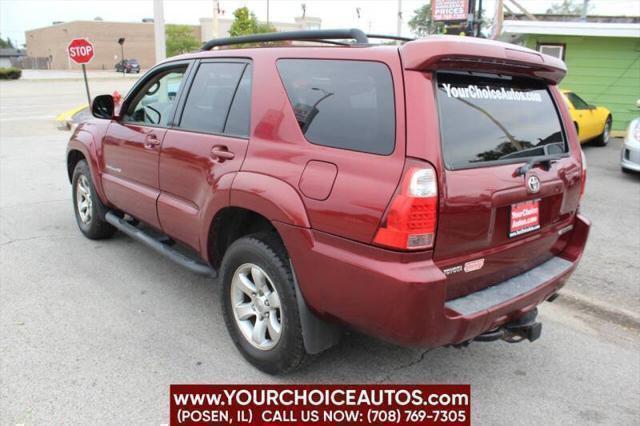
{"x":221,"y":153}
{"x":151,"y":141}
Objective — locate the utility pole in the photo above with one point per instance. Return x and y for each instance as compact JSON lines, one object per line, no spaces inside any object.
{"x":267,"y":12}
{"x":121,"y":43}
{"x":479,"y":20}
{"x":470,"y":29}
{"x":585,"y":10}
{"x":498,"y":18}
{"x":399,"y":21}
{"x":215,"y":24}
{"x":158,"y":30}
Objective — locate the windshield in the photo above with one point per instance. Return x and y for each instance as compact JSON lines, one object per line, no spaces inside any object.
{"x":486,"y":119}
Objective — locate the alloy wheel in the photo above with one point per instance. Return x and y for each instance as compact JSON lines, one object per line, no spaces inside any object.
{"x":256,"y":306}
{"x":84,"y":203}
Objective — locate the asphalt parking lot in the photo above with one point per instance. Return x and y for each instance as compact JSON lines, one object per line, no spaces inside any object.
{"x":95,"y":332}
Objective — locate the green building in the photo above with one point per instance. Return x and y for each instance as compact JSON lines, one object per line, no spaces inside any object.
{"x":603,"y":60}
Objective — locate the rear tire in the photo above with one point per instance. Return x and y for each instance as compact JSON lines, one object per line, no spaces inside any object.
{"x":259,"y":304}
{"x":87,"y":205}
{"x":604,"y":137}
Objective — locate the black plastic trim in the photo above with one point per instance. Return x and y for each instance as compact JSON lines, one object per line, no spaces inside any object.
{"x":194,"y":265}
{"x":513,"y":287}
{"x":318,"y":335}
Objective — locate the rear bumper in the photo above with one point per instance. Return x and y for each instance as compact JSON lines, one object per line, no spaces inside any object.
{"x":402,"y":297}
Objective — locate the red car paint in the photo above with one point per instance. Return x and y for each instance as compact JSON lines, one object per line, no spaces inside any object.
{"x":328,"y":203}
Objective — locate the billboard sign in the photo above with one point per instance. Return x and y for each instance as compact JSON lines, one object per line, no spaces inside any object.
{"x":449,"y":10}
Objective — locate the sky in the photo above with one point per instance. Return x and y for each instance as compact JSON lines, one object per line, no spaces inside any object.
{"x":377,"y":16}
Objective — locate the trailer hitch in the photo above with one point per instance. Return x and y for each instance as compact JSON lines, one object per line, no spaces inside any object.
{"x":524,"y":328}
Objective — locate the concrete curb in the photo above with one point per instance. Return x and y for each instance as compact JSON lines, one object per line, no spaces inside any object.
{"x":604,"y":310}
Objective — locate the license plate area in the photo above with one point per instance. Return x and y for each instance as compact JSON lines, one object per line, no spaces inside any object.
{"x":524,"y":217}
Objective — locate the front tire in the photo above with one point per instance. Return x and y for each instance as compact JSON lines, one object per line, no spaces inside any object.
{"x":86,"y":205}
{"x":259,"y":304}
{"x":604,"y":137}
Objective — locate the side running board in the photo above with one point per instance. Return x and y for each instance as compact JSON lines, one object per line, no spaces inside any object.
{"x":193,"y":264}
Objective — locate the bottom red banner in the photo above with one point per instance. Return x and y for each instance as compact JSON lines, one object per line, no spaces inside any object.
{"x":325,"y":404}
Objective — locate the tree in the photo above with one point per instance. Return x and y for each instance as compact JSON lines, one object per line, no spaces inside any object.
{"x":422,"y":23}
{"x":6,"y":44}
{"x":568,"y":7}
{"x":246,"y":23}
{"x":180,"y":39}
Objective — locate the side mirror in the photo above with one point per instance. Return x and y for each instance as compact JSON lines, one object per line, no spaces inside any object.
{"x":592,"y":107}
{"x":103,"y":107}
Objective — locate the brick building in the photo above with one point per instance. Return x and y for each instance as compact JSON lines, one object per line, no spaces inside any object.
{"x":50,"y":43}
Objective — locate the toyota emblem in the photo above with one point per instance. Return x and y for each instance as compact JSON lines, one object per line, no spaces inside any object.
{"x":533,"y":184}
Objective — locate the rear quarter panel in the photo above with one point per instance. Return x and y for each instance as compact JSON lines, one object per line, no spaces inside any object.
{"x":364,"y":183}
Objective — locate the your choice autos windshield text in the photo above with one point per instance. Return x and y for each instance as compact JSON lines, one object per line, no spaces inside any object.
{"x":476,"y":92}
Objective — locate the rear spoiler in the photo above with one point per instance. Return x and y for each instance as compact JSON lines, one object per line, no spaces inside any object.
{"x":471,"y":54}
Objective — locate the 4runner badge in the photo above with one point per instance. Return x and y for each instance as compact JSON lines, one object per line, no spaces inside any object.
{"x":472,"y":265}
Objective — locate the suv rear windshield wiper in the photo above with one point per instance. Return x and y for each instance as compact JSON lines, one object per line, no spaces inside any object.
{"x":544,"y":161}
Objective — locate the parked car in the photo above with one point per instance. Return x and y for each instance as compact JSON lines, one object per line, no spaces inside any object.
{"x":593,"y":123}
{"x":630,"y":155}
{"x":427,"y":194}
{"x":128,"y":66}
{"x":69,"y":119}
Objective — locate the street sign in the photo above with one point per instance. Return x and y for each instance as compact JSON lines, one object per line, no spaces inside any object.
{"x":80,"y":50}
{"x":449,"y":10}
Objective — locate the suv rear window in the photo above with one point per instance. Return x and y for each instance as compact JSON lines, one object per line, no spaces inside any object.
{"x":342,"y":104}
{"x":491,"y":119}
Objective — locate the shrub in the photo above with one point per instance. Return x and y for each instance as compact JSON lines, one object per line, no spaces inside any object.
{"x":10,"y":73}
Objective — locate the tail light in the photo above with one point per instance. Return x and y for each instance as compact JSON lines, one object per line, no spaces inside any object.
{"x":411,"y":218}
{"x":583,"y":181}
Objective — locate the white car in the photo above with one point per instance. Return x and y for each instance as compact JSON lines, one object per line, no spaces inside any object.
{"x":630,"y":155}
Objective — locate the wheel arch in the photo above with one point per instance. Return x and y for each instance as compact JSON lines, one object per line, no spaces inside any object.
{"x":82,"y":147}
{"x":258,"y":203}
{"x":232,"y":223}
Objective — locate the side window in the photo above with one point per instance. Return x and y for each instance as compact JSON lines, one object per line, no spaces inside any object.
{"x":210,"y":96}
{"x":577,"y":101}
{"x":154,"y":102}
{"x":342,"y":104}
{"x":240,"y":112}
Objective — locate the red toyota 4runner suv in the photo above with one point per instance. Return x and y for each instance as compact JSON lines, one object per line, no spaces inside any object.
{"x":425,"y":193}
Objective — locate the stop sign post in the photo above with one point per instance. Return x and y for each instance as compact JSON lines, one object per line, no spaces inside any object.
{"x":80,"y":51}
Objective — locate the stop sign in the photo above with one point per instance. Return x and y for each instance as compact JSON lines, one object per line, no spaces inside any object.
{"x":80,"y":50}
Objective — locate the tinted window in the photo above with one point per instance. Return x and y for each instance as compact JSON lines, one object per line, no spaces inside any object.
{"x":484,"y":119}
{"x":577,"y":101}
{"x":210,"y":96}
{"x":153,"y":103}
{"x":342,"y":104}
{"x":238,"y":120}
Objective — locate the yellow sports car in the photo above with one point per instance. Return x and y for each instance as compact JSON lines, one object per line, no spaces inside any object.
{"x":68,"y":120}
{"x":592,"y":122}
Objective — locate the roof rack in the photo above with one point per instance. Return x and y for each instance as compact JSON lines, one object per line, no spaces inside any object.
{"x":314,"y":35}
{"x":320,"y":36}
{"x":390,"y":37}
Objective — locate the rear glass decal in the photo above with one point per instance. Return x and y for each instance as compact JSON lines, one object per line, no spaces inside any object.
{"x":488,"y":119}
{"x":473,"y":91}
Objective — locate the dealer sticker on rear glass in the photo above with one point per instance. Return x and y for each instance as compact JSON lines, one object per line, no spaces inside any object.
{"x":525,"y":217}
